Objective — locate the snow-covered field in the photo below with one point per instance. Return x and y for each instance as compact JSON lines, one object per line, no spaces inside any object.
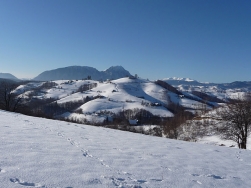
{"x":38,"y":152}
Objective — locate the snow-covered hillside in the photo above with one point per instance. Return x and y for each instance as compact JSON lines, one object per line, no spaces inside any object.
{"x":123,"y":94}
{"x":111,"y":97}
{"x":37,"y":152}
{"x":222,"y":91}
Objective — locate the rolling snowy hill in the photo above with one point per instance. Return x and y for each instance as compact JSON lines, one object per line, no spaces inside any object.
{"x":111,"y":97}
{"x":37,"y":152}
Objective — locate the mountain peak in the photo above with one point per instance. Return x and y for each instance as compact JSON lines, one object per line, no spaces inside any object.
{"x":115,"y":68}
{"x":82,"y":72}
{"x":8,"y":76}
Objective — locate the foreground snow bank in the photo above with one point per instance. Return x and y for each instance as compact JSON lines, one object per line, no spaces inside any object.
{"x":38,"y":152}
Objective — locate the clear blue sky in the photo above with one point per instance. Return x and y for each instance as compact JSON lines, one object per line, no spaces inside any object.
{"x":206,"y":40}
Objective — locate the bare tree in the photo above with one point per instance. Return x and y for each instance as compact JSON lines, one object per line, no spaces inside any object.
{"x":9,"y":101}
{"x":235,"y":121}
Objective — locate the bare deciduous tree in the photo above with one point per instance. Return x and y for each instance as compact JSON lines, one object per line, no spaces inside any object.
{"x":235,"y":121}
{"x":8,"y":100}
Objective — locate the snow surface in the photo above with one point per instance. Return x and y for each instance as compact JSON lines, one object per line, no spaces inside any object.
{"x":38,"y":152}
{"x":217,"y":140}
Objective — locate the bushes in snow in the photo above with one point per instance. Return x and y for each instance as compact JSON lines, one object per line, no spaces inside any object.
{"x":87,"y":87}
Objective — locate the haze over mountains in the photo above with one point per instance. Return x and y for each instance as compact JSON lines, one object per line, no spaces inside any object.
{"x":187,"y":84}
{"x":82,"y":72}
{"x":8,"y":76}
{"x":116,"y":72}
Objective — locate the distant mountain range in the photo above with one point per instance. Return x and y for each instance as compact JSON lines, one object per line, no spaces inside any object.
{"x":189,"y":83}
{"x":82,"y":72}
{"x":116,"y":72}
{"x":8,"y":76}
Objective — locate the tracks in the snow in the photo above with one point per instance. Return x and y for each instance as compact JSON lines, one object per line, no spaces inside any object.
{"x":26,"y":184}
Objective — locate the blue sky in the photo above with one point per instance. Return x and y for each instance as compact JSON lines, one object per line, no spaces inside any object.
{"x":206,"y":40}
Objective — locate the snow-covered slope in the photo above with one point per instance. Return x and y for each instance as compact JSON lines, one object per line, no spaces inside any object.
{"x":126,"y":94}
{"x":112,"y":96}
{"x":223,"y":91}
{"x":38,"y":152}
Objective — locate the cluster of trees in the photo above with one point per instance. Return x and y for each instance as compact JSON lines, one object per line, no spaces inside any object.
{"x":140,"y":114}
{"x":231,"y":122}
{"x":47,"y":85}
{"x":87,"y":87}
{"x":168,"y":87}
{"x":49,"y":108}
{"x":171,"y":127}
{"x":235,"y":121}
{"x":9,"y":100}
{"x":206,"y":97}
